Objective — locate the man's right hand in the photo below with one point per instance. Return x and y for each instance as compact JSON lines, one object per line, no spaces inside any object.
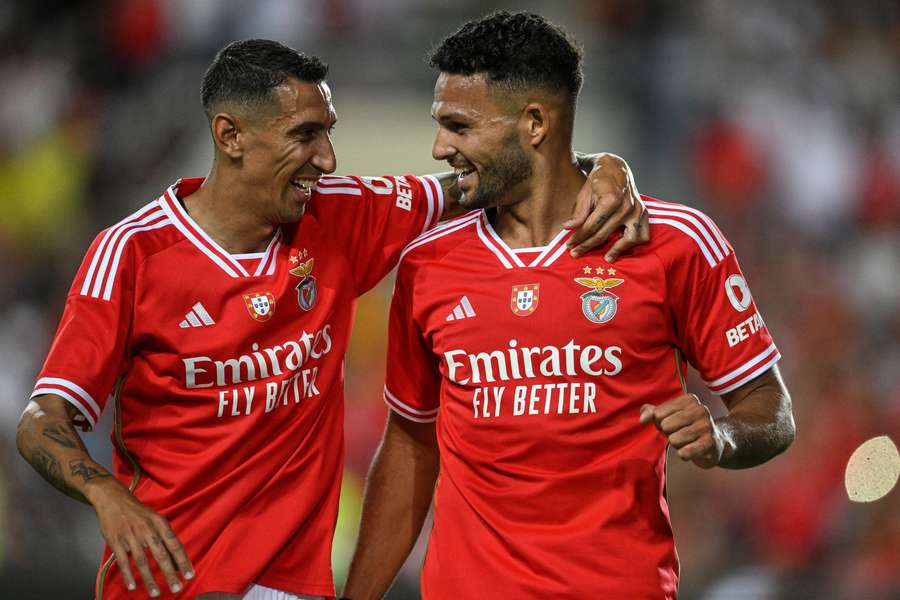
{"x":46,"y":438}
{"x":130,"y":529}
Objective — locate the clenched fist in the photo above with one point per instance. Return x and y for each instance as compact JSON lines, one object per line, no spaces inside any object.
{"x":690,"y":428}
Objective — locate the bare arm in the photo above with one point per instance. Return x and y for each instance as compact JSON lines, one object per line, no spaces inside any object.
{"x":47,"y":439}
{"x":398,"y":493}
{"x":759,"y":425}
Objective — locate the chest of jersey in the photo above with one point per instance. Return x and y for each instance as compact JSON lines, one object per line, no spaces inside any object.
{"x":566,"y":351}
{"x":242,"y":346}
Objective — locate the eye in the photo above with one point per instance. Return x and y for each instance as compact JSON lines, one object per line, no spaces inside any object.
{"x":457,"y":127}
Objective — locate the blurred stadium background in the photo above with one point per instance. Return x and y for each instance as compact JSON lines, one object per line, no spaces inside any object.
{"x":781,"y":119}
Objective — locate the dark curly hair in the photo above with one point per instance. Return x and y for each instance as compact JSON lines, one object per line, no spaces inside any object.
{"x":246,"y":72}
{"x":515,"y":50}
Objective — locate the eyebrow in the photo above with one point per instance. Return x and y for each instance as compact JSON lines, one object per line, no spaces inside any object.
{"x":310,"y":126}
{"x":451,"y":116}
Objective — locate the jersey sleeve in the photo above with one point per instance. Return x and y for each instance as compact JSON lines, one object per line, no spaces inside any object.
{"x":379,"y":216}
{"x":717,"y":323}
{"x":87,"y":355}
{"x":413,"y":380}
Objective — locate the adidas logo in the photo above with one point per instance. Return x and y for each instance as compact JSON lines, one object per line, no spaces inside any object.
{"x":196,"y":317}
{"x":463,"y":310}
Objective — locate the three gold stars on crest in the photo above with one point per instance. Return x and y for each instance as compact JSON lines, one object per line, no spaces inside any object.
{"x":599,"y":271}
{"x":295,"y":258}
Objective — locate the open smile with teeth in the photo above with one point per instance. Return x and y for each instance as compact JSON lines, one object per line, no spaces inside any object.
{"x":463,"y":172}
{"x":303,"y":184}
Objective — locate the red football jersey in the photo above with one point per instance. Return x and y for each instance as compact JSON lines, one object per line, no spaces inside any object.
{"x":227,"y":373}
{"x":535,"y":365}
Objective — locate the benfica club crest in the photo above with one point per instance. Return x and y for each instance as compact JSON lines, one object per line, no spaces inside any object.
{"x":260,"y":305}
{"x":524,"y":300}
{"x":599,"y":305}
{"x":306,"y":288}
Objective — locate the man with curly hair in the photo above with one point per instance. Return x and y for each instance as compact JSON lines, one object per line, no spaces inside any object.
{"x":538,"y":392}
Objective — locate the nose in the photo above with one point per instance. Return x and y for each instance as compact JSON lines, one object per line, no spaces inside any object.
{"x":325,"y":159}
{"x":442,"y":149}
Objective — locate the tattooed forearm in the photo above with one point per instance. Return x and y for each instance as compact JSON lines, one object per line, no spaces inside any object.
{"x":48,"y":468}
{"x":84,"y":470}
{"x":62,"y":434}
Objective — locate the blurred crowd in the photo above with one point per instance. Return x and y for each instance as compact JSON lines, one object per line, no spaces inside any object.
{"x":780,"y":119}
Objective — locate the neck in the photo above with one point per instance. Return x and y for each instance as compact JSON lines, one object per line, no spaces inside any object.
{"x":221,"y":209}
{"x":545,"y":203}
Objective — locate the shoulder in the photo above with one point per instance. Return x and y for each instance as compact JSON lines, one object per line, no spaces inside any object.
{"x":124,"y":244}
{"x":438,"y":242}
{"x":681,"y":232}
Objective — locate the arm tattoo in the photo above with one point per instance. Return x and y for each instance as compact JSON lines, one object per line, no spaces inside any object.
{"x":48,"y":467}
{"x":62,"y":434}
{"x":86,"y":471}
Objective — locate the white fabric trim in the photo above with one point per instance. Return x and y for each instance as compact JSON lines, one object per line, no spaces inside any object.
{"x":73,"y":387}
{"x":440,"y":231}
{"x":744,"y":367}
{"x":269,"y":255}
{"x":439,"y":199}
{"x":723,"y":244}
{"x":70,"y":399}
{"x":335,"y":180}
{"x":258,"y":592}
{"x":114,"y":245}
{"x":549,"y":248}
{"x":755,"y":373}
{"x":704,"y":231}
{"x":101,"y":248}
{"x":501,"y":245}
{"x":410,"y":417}
{"x":490,"y":246}
{"x":690,"y":233}
{"x":208,"y":251}
{"x":394,"y":400}
{"x":107,"y":292}
{"x":429,"y":200}
{"x":338,"y":190}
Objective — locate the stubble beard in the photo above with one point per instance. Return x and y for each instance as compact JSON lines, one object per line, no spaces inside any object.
{"x":508,"y":169}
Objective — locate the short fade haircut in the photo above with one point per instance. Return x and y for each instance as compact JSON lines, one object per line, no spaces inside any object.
{"x":517,"y":51}
{"x":247,"y":71}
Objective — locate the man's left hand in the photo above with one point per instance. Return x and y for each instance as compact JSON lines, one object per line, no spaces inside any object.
{"x":608,"y":201}
{"x":690,"y":428}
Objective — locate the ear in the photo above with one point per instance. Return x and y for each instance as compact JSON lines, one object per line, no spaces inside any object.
{"x":536,"y":119}
{"x":226,"y":135}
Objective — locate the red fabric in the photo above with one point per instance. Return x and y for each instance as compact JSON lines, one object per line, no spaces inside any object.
{"x":243,"y":457}
{"x":549,"y":484}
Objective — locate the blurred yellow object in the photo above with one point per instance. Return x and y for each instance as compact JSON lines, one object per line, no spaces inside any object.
{"x":41,"y":189}
{"x":872,"y":470}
